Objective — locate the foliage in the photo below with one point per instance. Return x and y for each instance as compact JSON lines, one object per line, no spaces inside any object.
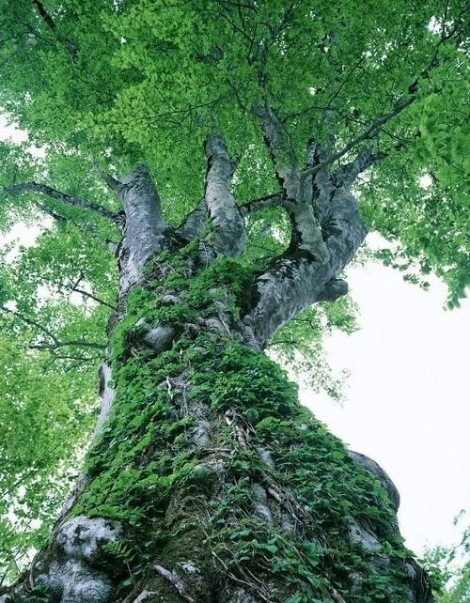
{"x":131,"y":79}
{"x":452,"y":565}
{"x":299,"y":344}
{"x":44,"y":421}
{"x":142,"y":78}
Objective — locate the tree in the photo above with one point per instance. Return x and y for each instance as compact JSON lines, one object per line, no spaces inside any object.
{"x":263,"y":123}
{"x":452,"y":565}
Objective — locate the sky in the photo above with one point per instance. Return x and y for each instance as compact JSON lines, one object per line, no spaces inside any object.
{"x":407,"y":402}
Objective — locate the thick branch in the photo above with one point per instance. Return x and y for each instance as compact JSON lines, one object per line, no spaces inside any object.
{"x":321,"y":182}
{"x":53,"y":193}
{"x":195,"y":222}
{"x":229,"y":227}
{"x":289,"y":286}
{"x":282,"y":150}
{"x":256,"y":205}
{"x":50,"y":212}
{"x":347,"y":174}
{"x":343,"y":228}
{"x":145,"y":226}
{"x":295,"y":280}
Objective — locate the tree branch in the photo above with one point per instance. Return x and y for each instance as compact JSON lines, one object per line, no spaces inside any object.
{"x":256,"y":205}
{"x":53,"y":193}
{"x":75,"y":288}
{"x":282,"y":150}
{"x":306,"y":232}
{"x":195,"y":222}
{"x":56,"y":344}
{"x":112,"y":183}
{"x":50,"y":212}
{"x":295,"y":280}
{"x":229,"y":227}
{"x":93,"y":297}
{"x":400,"y":105}
{"x":347,"y":174}
{"x":48,"y":20}
{"x":61,"y":344}
{"x":374,"y":127}
{"x":144,"y":226}
{"x":29,"y":321}
{"x":45,"y":16}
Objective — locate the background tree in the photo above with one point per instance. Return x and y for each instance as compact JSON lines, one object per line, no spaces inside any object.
{"x":452,"y":565}
{"x":259,"y":120}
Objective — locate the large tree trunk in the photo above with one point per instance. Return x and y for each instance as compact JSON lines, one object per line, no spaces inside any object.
{"x":207,"y":481}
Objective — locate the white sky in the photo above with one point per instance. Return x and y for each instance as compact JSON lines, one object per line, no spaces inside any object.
{"x":407,"y":402}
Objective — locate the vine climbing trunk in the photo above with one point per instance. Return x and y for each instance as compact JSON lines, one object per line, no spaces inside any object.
{"x":207,"y":481}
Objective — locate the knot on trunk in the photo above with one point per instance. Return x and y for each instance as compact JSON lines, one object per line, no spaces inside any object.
{"x":73,"y":570}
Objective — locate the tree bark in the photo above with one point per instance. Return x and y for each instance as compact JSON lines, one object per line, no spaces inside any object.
{"x":207,"y":481}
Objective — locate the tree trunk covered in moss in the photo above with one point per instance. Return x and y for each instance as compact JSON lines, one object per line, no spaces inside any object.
{"x":207,"y":481}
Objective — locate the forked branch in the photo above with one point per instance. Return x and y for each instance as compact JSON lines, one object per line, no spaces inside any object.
{"x":306,"y":232}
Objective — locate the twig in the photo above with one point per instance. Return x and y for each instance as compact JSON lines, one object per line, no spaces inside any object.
{"x":334,"y":593}
{"x":91,"y":296}
{"x":173,"y":579}
{"x":44,"y":189}
{"x":110,"y":180}
{"x":145,"y":594}
{"x":61,"y":344}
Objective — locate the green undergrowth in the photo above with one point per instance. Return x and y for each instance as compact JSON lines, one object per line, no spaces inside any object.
{"x":146,"y":471}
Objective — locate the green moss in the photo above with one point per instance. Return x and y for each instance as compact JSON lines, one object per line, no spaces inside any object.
{"x":146,"y":472}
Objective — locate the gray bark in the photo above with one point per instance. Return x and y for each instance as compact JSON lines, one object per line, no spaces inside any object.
{"x":144,"y":226}
{"x":306,"y":233}
{"x":299,"y":280}
{"x":107,"y":394}
{"x":195,"y":223}
{"x":229,"y":227}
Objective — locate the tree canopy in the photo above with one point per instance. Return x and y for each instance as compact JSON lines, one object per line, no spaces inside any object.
{"x":380,"y":86}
